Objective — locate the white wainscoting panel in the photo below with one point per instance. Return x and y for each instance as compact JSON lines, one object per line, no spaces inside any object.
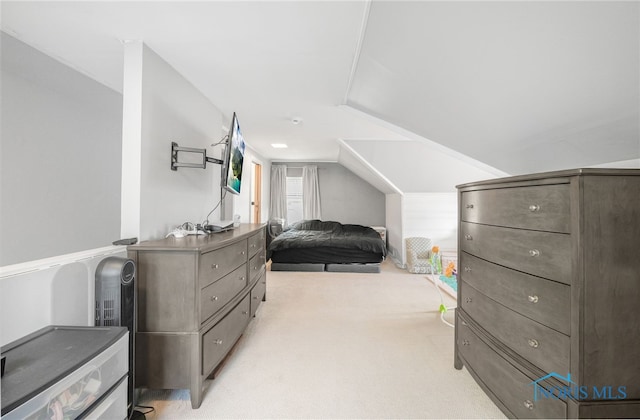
{"x":52,"y":291}
{"x":394,"y":222}
{"x":432,"y":215}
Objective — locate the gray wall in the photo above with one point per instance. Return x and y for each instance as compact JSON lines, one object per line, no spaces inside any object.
{"x":161,"y":106}
{"x":60,"y":158}
{"x":344,"y":196}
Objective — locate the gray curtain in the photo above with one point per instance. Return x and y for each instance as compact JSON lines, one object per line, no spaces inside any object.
{"x":278,"y":205}
{"x":310,"y":193}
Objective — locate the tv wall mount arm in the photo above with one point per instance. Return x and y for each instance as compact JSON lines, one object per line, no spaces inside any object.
{"x":174,"y":157}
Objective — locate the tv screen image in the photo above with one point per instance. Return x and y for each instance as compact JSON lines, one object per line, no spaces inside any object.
{"x":234,"y":158}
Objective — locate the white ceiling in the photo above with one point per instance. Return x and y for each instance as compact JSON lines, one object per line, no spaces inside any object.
{"x":519,"y":86}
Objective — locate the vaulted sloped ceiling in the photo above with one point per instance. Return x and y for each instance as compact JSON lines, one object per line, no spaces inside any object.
{"x":416,"y":166}
{"x":508,"y":86}
{"x":520,"y":86}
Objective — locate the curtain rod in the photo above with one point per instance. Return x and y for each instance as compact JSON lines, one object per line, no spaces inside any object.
{"x":298,"y":167}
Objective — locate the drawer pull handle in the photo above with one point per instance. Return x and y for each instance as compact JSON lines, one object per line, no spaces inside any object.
{"x":467,"y":269}
{"x":533,"y":343}
{"x":214,"y":298}
{"x":534,"y":253}
{"x":533,"y":299}
{"x":465,"y":342}
{"x":218,"y":342}
{"x":465,"y":323}
{"x":264,"y":282}
{"x":242,"y":278}
{"x":468,"y":237}
{"x":534,"y":208}
{"x":214,"y":266}
{"x":528,"y":404}
{"x":242,"y":253}
{"x":244,"y":312}
{"x":255,"y":297}
{"x":468,"y":300}
{"x":253,"y":245}
{"x":469,"y":206}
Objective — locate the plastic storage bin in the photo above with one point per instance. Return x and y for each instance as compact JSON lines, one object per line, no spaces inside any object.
{"x":113,"y":406}
{"x":63,"y":372}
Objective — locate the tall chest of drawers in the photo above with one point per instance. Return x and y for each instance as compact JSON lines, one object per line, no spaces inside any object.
{"x":548,"y":319}
{"x":195,"y":297}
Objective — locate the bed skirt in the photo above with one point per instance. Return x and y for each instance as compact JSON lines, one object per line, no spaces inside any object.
{"x":336,"y":268}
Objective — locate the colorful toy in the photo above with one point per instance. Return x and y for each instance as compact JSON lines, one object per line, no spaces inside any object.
{"x":450,"y":271}
{"x":436,"y":261}
{"x":448,"y":277}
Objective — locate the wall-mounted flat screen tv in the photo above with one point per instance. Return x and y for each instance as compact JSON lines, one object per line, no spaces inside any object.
{"x":233,"y":159}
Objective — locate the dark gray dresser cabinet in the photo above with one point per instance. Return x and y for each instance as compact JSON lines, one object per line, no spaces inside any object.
{"x":549,"y":286}
{"x":196,"y":296}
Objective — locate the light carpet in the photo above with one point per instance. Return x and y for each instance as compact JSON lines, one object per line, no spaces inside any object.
{"x":339,"y":345}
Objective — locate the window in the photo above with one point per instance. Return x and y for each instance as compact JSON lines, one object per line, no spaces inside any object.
{"x":294,"y":199}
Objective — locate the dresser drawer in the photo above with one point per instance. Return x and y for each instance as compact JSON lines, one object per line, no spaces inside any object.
{"x":545,"y":301}
{"x":538,"y":207}
{"x":218,"y":294}
{"x":542,"y":346}
{"x":256,"y":243}
{"x":505,"y":382}
{"x":542,"y":254}
{"x":216,"y":264}
{"x":258,"y":292}
{"x":256,"y":264}
{"x":218,"y":340}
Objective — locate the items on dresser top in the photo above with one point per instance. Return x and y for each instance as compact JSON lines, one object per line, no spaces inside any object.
{"x":196,"y":295}
{"x":185,"y":229}
{"x":547,"y":320}
{"x":66,"y":372}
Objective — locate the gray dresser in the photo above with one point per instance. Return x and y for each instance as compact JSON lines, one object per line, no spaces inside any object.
{"x":548,"y":319}
{"x":196,"y":296}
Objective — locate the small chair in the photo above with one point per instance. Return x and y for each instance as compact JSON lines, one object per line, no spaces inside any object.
{"x":275,"y":227}
{"x":418,"y":255}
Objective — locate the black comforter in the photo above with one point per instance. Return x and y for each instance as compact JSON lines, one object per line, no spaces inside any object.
{"x":310,"y":237}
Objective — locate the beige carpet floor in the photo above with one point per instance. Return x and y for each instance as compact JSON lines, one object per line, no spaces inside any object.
{"x":339,"y":345}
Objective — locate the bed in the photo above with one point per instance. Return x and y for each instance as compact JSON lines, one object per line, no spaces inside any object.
{"x":315,"y":245}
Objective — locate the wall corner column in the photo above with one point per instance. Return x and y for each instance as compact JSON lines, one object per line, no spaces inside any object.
{"x":130,"y":209}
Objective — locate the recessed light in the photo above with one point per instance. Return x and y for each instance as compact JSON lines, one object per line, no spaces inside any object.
{"x":279,"y":145}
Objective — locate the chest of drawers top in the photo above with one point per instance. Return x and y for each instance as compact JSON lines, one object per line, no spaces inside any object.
{"x":200,"y":243}
{"x":542,"y":178}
